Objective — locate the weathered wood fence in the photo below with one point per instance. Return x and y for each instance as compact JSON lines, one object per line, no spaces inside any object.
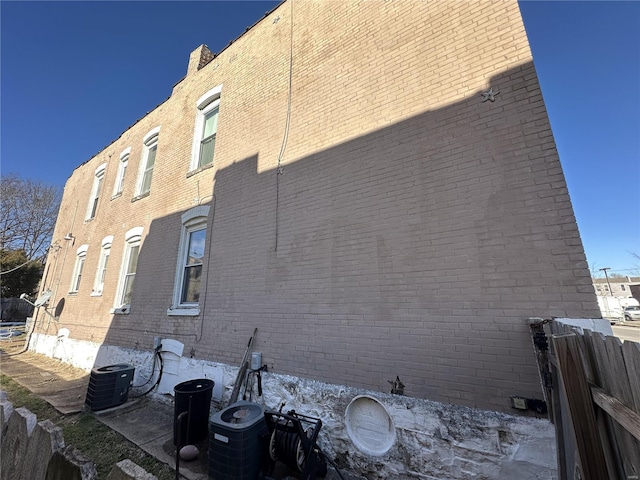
{"x":592,"y":387}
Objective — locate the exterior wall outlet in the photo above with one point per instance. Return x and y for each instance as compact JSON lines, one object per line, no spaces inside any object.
{"x":519,"y":403}
{"x":256,"y":360}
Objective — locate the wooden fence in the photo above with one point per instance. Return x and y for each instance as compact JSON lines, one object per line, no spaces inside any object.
{"x":592,"y":389}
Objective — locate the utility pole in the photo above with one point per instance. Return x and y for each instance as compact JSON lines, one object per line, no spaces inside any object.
{"x":607,"y":277}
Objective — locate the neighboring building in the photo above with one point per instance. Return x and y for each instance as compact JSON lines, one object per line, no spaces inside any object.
{"x":619,"y":287}
{"x":614,"y":293}
{"x":373,"y":185}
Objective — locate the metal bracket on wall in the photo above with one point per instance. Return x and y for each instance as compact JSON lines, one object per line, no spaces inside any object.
{"x":489,"y":95}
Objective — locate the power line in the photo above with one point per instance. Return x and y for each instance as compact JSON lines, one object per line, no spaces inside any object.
{"x":16,"y":268}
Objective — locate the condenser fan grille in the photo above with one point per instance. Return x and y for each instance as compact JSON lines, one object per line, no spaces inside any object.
{"x":241,"y":414}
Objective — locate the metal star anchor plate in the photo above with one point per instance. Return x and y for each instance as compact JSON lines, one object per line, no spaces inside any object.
{"x":489,"y":95}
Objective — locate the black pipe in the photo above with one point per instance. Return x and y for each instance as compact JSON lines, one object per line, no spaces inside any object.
{"x":157,"y":382}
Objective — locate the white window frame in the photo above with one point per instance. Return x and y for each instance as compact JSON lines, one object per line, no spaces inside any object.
{"x":150,"y":141}
{"x":105,"y":251}
{"x":132,"y":240}
{"x":118,"y":186}
{"x":205,"y":104}
{"x":192,"y":220}
{"x":96,"y":189}
{"x":76,"y":278}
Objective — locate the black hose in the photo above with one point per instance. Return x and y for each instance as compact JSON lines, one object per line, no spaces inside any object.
{"x":286,"y":446}
{"x":157,"y":381}
{"x":153,"y":368}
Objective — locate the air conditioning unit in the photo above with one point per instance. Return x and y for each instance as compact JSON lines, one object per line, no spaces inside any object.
{"x":109,"y":386}
{"x":237,"y":441}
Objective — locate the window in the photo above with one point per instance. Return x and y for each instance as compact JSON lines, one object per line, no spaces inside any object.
{"x":193,"y":267}
{"x":81,"y":255}
{"x":130,"y":274}
{"x":98,"y":284}
{"x":204,"y":138}
{"x":186,"y":293}
{"x":147,"y":162}
{"x":128,"y":270}
{"x":95,"y":191}
{"x":122,"y":170}
{"x":208,"y":142}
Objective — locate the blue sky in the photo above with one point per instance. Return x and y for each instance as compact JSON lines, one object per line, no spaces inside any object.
{"x":74,"y":75}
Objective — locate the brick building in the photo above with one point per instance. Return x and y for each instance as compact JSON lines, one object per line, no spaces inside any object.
{"x":373,"y":185}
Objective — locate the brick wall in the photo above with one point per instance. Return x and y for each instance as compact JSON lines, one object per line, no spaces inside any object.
{"x":412,"y":232}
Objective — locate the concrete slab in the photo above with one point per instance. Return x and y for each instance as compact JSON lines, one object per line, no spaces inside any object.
{"x":61,"y":385}
{"x":149,"y":425}
{"x":127,"y":470}
{"x":140,"y":420}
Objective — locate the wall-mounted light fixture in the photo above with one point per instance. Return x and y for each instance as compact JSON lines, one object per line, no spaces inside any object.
{"x":69,"y":236}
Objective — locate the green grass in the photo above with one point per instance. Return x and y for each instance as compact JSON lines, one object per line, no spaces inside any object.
{"x":95,"y":440}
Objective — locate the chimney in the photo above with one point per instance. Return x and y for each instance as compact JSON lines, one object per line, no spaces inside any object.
{"x":199,"y":58}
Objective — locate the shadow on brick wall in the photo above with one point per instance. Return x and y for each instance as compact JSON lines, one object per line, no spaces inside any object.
{"x":419,"y":250}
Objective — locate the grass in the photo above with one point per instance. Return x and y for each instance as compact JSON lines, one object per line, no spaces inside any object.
{"x":96,"y":441}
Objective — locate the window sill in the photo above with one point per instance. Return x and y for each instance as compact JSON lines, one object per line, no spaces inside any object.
{"x":199,"y":169}
{"x":96,"y":294}
{"x":184,"y":311}
{"x":140,"y":197}
{"x":73,"y":294}
{"x":120,"y":311}
{"x":117,"y":195}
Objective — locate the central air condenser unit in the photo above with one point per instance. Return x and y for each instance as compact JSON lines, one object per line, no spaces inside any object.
{"x":109,"y":386}
{"x":237,"y":437}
